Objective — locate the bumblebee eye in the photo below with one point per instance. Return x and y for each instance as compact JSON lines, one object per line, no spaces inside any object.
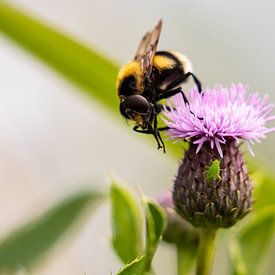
{"x":134,"y":104}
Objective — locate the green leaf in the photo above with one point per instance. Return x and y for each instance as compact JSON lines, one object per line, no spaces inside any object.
{"x":239,"y":266}
{"x":264,"y":192}
{"x":249,"y":252}
{"x":82,"y":65}
{"x":136,"y":267}
{"x":22,"y":248}
{"x":126,"y":224}
{"x":155,"y":226}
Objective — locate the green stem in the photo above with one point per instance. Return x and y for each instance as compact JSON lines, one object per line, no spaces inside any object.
{"x":206,"y":251}
{"x":185,"y":258}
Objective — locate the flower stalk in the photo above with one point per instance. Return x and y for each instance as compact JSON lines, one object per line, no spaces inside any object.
{"x":181,"y":234}
{"x":207,"y":246}
{"x":185,"y":259}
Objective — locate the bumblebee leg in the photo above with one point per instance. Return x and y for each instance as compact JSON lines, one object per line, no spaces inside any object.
{"x":150,"y":132}
{"x":182,"y":78}
{"x":162,"y":143}
{"x":157,"y":134}
{"x":169,"y":93}
{"x":160,"y":108}
{"x":174,"y":92}
{"x":154,"y":111}
{"x":159,"y":140}
{"x":147,"y":131}
{"x":163,"y":128}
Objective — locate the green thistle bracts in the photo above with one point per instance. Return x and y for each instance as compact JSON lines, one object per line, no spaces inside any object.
{"x":220,"y":203}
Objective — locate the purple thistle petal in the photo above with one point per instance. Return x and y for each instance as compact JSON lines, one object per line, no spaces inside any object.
{"x":220,"y":114}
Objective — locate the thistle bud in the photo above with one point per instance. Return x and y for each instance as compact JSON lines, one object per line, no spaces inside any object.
{"x":220,"y":202}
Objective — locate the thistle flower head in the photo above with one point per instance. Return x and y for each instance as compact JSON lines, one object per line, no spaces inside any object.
{"x":212,"y":187}
{"x":218,"y":115}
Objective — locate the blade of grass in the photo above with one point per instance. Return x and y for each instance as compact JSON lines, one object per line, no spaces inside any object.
{"x":80,"y":64}
{"x":27,"y":244}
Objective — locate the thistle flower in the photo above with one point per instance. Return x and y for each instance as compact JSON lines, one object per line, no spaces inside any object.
{"x":215,"y":122}
{"x":220,"y":115}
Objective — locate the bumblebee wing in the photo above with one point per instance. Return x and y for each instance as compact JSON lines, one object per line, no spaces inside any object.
{"x":142,"y":46}
{"x":147,"y":49}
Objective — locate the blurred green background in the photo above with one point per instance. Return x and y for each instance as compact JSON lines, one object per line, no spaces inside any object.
{"x":55,"y":139}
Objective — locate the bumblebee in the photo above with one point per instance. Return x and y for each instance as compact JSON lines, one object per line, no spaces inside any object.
{"x":151,"y":76}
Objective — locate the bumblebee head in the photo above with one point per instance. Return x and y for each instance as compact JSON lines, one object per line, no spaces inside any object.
{"x":135,"y":107}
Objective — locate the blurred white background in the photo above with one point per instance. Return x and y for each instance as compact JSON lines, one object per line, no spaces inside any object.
{"x":53,"y":139}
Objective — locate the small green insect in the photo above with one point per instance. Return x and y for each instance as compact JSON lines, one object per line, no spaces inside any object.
{"x":213,"y":172}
